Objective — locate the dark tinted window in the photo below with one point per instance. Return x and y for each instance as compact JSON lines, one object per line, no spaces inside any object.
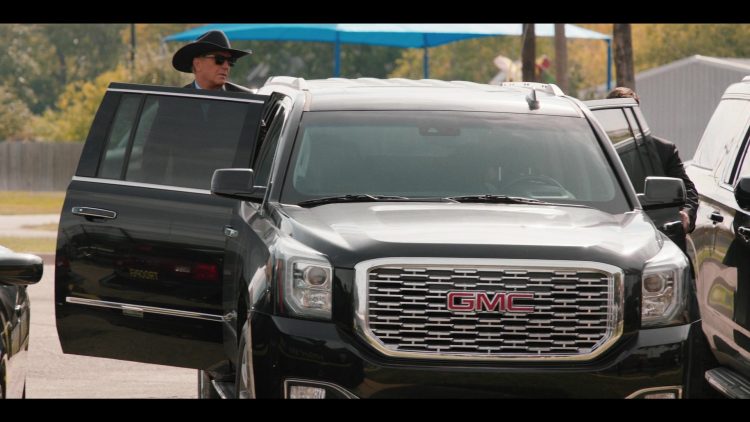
{"x":641,"y":120}
{"x":119,"y":136}
{"x":646,"y":149}
{"x":264,"y":161}
{"x":437,"y":154}
{"x":181,"y":141}
{"x":633,"y":123}
{"x":745,"y":163}
{"x":619,"y":132}
{"x":614,"y":124}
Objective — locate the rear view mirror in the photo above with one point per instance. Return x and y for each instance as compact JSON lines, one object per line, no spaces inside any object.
{"x":236,"y":184}
{"x":20,"y":269}
{"x":742,"y":193}
{"x":662,"y":192}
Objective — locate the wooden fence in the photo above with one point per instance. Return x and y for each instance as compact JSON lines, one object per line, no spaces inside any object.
{"x":38,"y":166}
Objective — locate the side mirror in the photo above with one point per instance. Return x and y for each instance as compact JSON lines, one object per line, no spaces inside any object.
{"x":20,"y":269}
{"x":236,"y":184}
{"x":662,"y":192}
{"x":742,"y":193}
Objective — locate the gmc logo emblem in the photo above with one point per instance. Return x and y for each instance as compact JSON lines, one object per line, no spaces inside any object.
{"x":484,"y":301}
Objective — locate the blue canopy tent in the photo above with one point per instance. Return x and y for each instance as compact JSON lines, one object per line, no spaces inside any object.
{"x":394,"y":35}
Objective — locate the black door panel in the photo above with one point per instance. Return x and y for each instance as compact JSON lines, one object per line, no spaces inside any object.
{"x":140,"y":262}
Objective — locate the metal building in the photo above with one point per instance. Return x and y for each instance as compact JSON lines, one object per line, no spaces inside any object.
{"x":679,"y":98}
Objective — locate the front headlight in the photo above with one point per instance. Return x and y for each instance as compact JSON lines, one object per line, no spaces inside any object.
{"x":664,"y":287}
{"x":307,"y":279}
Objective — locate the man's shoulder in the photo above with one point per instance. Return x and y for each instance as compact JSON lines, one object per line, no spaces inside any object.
{"x":229,"y":86}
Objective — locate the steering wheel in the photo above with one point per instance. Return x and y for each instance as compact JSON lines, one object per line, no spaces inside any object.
{"x":524,"y":185}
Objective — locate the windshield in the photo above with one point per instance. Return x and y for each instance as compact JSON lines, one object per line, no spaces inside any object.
{"x":434,"y":154}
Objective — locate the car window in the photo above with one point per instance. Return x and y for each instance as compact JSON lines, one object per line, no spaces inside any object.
{"x":641,"y":120}
{"x":745,"y":159}
{"x":646,"y":150}
{"x":264,"y":161}
{"x":438,"y":154}
{"x":119,"y":136}
{"x":722,"y":132}
{"x":615,"y":124}
{"x":181,"y":141}
{"x":633,"y":123}
{"x":619,"y":131}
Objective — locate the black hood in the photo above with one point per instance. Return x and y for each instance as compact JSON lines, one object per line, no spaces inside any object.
{"x":353,"y":232}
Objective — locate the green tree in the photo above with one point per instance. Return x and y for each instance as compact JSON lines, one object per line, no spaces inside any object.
{"x":75,"y":109}
{"x":41,"y":59}
{"x":656,"y":45}
{"x":14,"y":117}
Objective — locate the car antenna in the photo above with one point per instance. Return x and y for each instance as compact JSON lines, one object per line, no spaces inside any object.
{"x":531,"y":99}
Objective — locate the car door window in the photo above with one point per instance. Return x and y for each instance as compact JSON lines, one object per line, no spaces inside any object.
{"x":745,"y":159}
{"x":619,"y":132}
{"x":264,"y":161}
{"x":648,"y":155}
{"x":181,"y":141}
{"x":119,"y":137}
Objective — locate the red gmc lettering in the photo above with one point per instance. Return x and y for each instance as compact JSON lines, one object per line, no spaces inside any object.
{"x":483,"y":301}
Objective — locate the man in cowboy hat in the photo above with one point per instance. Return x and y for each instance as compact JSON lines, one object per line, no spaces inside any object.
{"x":209,"y":58}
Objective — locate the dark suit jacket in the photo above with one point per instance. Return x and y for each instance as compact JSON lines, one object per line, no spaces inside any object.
{"x":227,"y":87}
{"x":673,"y":167}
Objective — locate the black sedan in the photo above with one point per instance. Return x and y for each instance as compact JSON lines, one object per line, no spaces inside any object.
{"x":16,"y":272}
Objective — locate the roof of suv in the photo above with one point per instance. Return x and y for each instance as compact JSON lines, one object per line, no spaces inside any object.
{"x":425,"y":94}
{"x":739,"y":88}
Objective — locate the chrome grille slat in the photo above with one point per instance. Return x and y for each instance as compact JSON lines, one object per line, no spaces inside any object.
{"x":402,"y":308}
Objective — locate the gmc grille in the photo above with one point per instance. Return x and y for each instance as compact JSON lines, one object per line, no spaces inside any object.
{"x":577,"y":309}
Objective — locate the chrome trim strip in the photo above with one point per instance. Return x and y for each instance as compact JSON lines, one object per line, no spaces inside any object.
{"x":668,"y":388}
{"x":616,"y":303}
{"x":335,"y":387}
{"x":131,"y":309}
{"x":176,"y":94}
{"x":140,"y":185}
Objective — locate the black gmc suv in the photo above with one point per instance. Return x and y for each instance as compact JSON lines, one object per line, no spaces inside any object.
{"x":371,"y":238}
{"x":720,"y":245}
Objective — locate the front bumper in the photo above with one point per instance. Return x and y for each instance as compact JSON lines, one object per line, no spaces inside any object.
{"x":287,"y":350}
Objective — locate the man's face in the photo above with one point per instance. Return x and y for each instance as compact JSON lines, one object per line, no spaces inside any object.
{"x":209,"y":74}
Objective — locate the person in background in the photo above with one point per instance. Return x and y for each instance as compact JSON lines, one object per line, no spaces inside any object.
{"x":671,"y":164}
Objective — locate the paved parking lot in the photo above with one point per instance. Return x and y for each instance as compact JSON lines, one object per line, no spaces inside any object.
{"x":53,"y":374}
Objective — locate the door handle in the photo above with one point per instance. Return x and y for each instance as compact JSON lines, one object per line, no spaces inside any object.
{"x":230,"y":232}
{"x":744,"y":232}
{"x":94,"y":212}
{"x":716,"y":217}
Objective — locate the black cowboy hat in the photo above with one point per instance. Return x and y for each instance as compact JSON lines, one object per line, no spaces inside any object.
{"x":206,"y":43}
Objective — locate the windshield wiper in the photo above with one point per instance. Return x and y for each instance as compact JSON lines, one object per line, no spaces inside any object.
{"x":497,"y":199}
{"x":351,"y":198}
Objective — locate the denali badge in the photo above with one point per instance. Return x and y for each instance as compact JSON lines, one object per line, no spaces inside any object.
{"x":484,"y":301}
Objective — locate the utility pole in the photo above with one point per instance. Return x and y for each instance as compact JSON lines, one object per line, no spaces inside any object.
{"x":623,"y":40}
{"x":528,"y":53}
{"x":561,"y":57}
{"x":132,"y":50}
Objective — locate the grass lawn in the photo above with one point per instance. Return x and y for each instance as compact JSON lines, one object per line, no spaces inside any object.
{"x":16,"y":203}
{"x":29,"y":244}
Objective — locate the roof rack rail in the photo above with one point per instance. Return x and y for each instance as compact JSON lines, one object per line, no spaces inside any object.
{"x":294,"y":82}
{"x":548,"y":88}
